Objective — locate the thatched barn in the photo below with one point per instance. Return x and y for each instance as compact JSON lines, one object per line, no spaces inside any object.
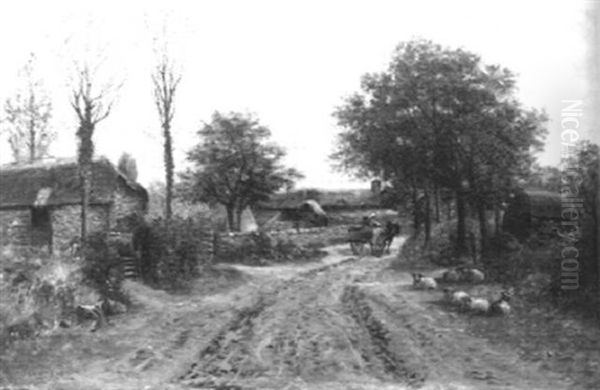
{"x":306,"y":212}
{"x":40,"y":203}
{"x":528,"y":209}
{"x":310,"y":210}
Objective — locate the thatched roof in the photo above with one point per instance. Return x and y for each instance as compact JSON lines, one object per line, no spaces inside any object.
{"x":327,"y":199}
{"x":56,"y":183}
{"x":314,"y":206}
{"x":538,"y":203}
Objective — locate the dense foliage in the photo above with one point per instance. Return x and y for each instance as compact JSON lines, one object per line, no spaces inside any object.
{"x":579,"y":227}
{"x":101,"y":268}
{"x":440,"y":120}
{"x":173,"y":251}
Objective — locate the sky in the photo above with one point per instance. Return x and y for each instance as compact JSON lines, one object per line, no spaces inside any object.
{"x":290,"y":63}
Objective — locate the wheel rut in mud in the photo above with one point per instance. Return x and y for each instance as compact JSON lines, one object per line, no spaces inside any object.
{"x":260,"y":337}
{"x":226,"y":354}
{"x":399,"y":367}
{"x":317,"y":326}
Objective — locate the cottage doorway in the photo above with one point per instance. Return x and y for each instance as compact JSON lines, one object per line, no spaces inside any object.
{"x":41,"y":227}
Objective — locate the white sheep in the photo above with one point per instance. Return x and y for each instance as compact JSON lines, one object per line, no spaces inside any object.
{"x":501,"y":306}
{"x":477,"y":305}
{"x":471,"y":275}
{"x":476,"y":276}
{"x":450,"y":276}
{"x":422,"y":282}
{"x":455,"y":297}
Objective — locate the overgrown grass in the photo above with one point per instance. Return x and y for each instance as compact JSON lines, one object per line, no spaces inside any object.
{"x":174,"y":252}
{"x":262,"y":249}
{"x":440,"y":250}
{"x":37,"y":292}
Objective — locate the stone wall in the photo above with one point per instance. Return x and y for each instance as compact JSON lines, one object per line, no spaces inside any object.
{"x":66,"y":223}
{"x":305,"y":237}
{"x":126,"y":203}
{"x":15,"y":227}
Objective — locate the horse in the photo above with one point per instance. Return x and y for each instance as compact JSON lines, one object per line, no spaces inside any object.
{"x":391,"y":230}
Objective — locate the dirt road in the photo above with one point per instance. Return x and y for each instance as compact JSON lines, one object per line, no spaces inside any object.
{"x":341,"y":323}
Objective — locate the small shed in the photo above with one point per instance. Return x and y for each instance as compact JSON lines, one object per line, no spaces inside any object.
{"x":528,"y":209}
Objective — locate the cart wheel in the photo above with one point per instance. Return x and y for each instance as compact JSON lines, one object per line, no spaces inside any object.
{"x":378,"y":247}
{"x":357,"y":247}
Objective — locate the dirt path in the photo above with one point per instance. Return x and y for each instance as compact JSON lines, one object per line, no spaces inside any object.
{"x":341,"y":323}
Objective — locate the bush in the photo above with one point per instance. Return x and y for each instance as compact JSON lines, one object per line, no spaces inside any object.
{"x":260,"y":248}
{"x":174,"y":252}
{"x":102,"y":269}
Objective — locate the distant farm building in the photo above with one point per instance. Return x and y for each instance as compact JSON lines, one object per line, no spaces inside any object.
{"x":40,"y":203}
{"x":306,"y":212}
{"x":528,"y":209}
{"x":312,"y":207}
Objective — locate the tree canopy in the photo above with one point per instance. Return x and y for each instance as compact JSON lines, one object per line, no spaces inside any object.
{"x":439,"y":118}
{"x":235,"y":164}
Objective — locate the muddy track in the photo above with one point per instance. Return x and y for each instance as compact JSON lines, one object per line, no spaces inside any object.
{"x":397,"y":367}
{"x":222,"y":355}
{"x":229,"y":356}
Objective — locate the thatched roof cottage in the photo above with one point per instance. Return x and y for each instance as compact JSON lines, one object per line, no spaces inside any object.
{"x":40,"y":203}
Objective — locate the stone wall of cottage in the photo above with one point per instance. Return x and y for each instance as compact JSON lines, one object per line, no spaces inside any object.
{"x":126,"y":203}
{"x":15,"y":227}
{"x":66,"y":223}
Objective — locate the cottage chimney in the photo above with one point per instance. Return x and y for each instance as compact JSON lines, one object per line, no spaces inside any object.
{"x":376,"y":186}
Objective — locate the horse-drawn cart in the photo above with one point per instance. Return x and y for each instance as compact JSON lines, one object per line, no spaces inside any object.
{"x":359,"y":236}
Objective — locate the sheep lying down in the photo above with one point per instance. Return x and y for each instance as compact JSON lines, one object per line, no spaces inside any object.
{"x":461,"y":274}
{"x":454,"y":297}
{"x":483,"y":306}
{"x":422,"y":282}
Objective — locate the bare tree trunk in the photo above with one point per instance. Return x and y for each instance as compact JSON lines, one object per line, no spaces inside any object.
{"x":169,"y":167}
{"x":238,"y":219}
{"x":482,"y":226}
{"x":85,"y":155}
{"x":165,"y":81}
{"x":230,"y":217}
{"x":85,"y":200}
{"x":497,"y":220}
{"x":416,"y":213}
{"x":461,"y":231}
{"x":427,"y":205}
{"x":91,"y":108}
{"x":437,"y":204}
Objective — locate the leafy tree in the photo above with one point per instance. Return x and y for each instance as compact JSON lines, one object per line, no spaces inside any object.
{"x":235,"y":165}
{"x":91,"y":105}
{"x":438,"y":119}
{"x":128,"y":166}
{"x":27,"y":117}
